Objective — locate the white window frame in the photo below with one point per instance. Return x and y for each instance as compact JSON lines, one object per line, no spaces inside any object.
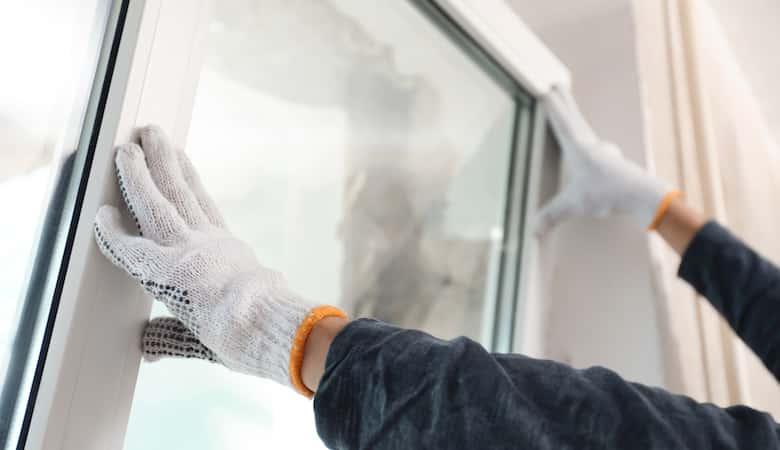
{"x":86,"y":388}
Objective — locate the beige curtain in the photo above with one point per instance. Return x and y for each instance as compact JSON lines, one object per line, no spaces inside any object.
{"x":707,"y":134}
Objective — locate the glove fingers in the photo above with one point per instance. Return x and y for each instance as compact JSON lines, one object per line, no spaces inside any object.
{"x":586,"y":132}
{"x":196,"y":186}
{"x":154,"y":214}
{"x":131,"y":253}
{"x":168,"y":337}
{"x":559,"y":209}
{"x":162,"y":160}
{"x":567,"y":121}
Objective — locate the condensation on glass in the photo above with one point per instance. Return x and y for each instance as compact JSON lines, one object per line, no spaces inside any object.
{"x":50,"y":53}
{"x":363,"y":154}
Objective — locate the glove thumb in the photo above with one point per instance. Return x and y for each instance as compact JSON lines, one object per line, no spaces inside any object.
{"x":168,"y":337}
{"x":561,"y":208}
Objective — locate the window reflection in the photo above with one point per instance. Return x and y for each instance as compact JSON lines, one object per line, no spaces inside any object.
{"x":50,"y":51}
{"x":362,"y":154}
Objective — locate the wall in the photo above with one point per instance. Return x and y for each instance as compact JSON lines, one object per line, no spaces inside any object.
{"x":598,"y":295}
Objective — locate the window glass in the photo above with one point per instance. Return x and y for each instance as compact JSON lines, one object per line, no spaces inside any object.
{"x":363,"y":154}
{"x":50,"y":51}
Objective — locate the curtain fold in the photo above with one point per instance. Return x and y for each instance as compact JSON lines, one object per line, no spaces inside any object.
{"x":707,"y":134}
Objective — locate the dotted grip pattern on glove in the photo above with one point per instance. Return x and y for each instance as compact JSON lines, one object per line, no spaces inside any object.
{"x":227,"y":307}
{"x":166,"y":336}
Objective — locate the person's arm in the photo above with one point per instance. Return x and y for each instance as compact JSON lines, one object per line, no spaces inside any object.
{"x":377,"y":386}
{"x":386,"y":387}
{"x":679,"y":224}
{"x":740,"y":284}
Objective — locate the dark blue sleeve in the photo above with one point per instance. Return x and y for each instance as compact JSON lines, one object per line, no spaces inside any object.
{"x":741,"y":285}
{"x":389,"y":388}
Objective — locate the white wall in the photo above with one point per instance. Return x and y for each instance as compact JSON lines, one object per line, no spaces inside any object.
{"x":597,"y":288}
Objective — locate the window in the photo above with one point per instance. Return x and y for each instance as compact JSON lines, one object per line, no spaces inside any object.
{"x":45,"y":89}
{"x":371,"y":160}
{"x":385,"y":158}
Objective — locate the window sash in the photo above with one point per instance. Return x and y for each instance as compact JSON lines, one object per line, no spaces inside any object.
{"x":86,"y":386}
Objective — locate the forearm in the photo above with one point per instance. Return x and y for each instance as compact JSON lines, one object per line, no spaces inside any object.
{"x":679,"y":225}
{"x":743,"y":286}
{"x":386,"y":387}
{"x":739,"y":283}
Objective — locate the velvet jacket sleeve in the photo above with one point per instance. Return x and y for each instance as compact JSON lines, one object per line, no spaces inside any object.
{"x":385,"y":387}
{"x":389,"y":388}
{"x":743,"y":286}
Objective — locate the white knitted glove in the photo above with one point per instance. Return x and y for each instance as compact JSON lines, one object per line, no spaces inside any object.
{"x":602,"y":181}
{"x":244,"y":314}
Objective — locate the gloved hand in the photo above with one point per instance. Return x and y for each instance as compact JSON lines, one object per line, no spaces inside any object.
{"x":602,"y":181}
{"x":229,"y":307}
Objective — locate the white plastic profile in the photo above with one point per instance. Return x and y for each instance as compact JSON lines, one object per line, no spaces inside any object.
{"x":88,"y":380}
{"x":498,"y":29}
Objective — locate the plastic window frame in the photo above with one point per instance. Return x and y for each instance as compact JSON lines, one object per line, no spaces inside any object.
{"x":84,"y":391}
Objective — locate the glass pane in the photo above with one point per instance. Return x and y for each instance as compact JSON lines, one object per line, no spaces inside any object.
{"x":50,"y":51}
{"x":368,"y":160}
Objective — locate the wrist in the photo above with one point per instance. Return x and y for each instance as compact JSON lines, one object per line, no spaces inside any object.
{"x":316,"y":349}
{"x":679,"y":224}
{"x":312,"y":338}
{"x":663,"y":207}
